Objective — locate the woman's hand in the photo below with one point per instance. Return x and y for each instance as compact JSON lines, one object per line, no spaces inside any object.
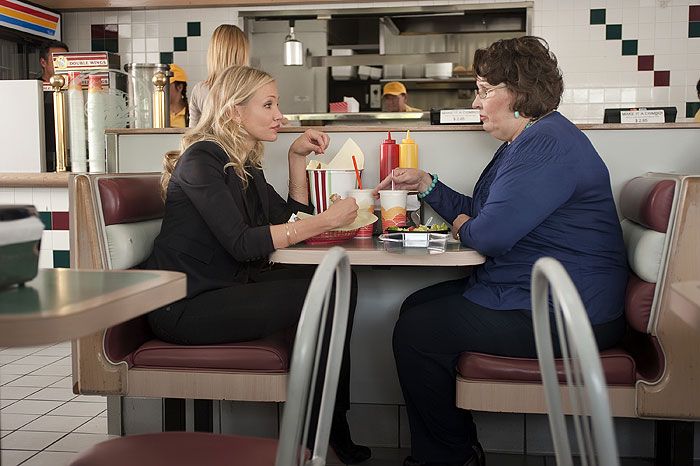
{"x":311,"y":141}
{"x":410,"y":179}
{"x":340,"y":213}
{"x":458,"y":223}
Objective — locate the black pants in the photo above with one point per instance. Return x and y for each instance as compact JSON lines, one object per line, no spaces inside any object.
{"x":436,"y":324}
{"x":267,"y":305}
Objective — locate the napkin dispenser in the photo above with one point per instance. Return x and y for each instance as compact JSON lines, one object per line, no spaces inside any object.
{"x":20,"y":237}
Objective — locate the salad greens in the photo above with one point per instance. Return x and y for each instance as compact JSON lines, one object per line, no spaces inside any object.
{"x":437,"y":228}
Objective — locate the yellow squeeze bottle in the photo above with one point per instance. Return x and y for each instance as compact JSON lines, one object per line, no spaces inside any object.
{"x":408,"y":152}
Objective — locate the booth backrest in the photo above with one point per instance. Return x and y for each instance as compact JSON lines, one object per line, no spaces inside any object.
{"x":646,"y":204}
{"x":129,"y":214}
{"x":130,"y":210}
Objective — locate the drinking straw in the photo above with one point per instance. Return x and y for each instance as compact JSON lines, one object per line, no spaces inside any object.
{"x":357,"y":173}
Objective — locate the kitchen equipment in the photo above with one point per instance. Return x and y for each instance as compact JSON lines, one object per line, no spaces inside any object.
{"x":20,"y":237}
{"x":141,"y":90}
{"x":438,"y":70}
{"x":293,"y":52}
{"x":393,"y":71}
{"x":341,"y":73}
{"x":413,"y":71}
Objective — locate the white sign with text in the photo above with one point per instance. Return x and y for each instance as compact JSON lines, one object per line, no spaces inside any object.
{"x":642,"y":116}
{"x":460,"y":115}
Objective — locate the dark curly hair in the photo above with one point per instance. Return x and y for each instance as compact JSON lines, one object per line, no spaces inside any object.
{"x":527,"y":68}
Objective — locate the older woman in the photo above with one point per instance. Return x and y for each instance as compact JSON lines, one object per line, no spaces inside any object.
{"x":546,"y":192}
{"x":222,"y":220}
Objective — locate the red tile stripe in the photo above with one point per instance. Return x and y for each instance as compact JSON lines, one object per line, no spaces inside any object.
{"x":694,"y":13}
{"x":59,"y":221}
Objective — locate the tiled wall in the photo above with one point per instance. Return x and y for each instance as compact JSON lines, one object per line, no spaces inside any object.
{"x":52,"y":204}
{"x":613,"y":53}
{"x":149,"y":36}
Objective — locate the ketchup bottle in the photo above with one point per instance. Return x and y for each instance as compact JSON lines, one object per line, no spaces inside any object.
{"x":388,"y":157}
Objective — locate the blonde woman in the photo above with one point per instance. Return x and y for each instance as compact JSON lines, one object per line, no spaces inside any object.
{"x":228,"y":46}
{"x":222,"y":220}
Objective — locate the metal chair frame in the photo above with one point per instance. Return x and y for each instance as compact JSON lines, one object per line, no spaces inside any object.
{"x":587,"y":390}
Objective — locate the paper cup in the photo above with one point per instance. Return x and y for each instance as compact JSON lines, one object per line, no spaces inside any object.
{"x":365,"y":201}
{"x":324,"y":183}
{"x":393,"y":208}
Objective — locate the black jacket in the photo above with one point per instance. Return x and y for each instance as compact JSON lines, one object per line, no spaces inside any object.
{"x":213,"y":230}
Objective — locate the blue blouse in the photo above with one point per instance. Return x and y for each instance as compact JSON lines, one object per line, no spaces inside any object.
{"x":545,"y":194}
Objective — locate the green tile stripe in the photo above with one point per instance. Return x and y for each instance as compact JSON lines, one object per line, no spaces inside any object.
{"x":629,"y":47}
{"x":46,"y":220}
{"x":691,"y":108}
{"x":180,"y":44}
{"x":598,"y":16}
{"x":61,"y":259}
{"x":166,"y":57}
{"x":613,"y":31}
{"x":194,"y":29}
{"x":694,"y":29}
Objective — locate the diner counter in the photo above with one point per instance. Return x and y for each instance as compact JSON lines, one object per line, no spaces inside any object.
{"x":28,"y":180}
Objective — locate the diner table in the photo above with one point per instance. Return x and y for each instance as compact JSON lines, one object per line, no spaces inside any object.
{"x":65,"y":304}
{"x":384,"y":280}
{"x":372,"y":251}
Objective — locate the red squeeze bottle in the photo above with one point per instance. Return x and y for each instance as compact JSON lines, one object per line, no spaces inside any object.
{"x":388,"y":157}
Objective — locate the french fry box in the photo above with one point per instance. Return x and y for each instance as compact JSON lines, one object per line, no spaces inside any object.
{"x":324,"y":183}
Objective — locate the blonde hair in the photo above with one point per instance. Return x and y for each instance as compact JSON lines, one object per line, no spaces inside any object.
{"x":234,"y":86}
{"x":228,"y":46}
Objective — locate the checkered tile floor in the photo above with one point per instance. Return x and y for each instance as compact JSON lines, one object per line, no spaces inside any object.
{"x":42,"y":422}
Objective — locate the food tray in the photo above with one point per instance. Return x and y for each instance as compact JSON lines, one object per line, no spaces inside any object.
{"x":331,"y":237}
{"x":432,"y":241}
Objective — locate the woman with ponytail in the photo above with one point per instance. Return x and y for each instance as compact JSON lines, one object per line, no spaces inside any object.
{"x":222,"y":220}
{"x":228,"y":47}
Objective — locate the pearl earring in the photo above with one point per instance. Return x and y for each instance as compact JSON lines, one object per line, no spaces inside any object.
{"x":516,"y":114}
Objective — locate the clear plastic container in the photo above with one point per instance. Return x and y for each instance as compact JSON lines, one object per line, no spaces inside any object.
{"x":429,"y":242}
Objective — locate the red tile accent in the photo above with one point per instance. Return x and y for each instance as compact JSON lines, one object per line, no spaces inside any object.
{"x":59,"y":221}
{"x":111,"y":31}
{"x":694,"y":13}
{"x":662,"y":78}
{"x":645,"y":63}
{"x":97,"y":31}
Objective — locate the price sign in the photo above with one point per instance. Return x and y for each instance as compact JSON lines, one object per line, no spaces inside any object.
{"x":460,"y":115}
{"x":642,"y":116}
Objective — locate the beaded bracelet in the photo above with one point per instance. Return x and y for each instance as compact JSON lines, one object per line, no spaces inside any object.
{"x":430,"y":188}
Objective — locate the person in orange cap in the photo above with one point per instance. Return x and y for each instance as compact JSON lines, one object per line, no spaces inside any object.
{"x":179,"y":107}
{"x":394,"y":98}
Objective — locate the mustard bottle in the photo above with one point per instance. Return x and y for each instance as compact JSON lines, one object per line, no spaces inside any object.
{"x":408,"y":152}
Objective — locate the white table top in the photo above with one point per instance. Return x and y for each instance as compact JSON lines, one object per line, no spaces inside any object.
{"x":372,"y":252}
{"x":64,"y":304}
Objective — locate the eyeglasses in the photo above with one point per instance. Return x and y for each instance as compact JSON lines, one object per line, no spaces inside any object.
{"x":484,"y":93}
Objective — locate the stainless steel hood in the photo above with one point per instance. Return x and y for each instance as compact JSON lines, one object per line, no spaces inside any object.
{"x":505,"y":20}
{"x":388,"y":59}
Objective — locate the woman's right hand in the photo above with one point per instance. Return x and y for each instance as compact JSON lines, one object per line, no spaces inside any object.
{"x":342,"y":212}
{"x":410,"y":179}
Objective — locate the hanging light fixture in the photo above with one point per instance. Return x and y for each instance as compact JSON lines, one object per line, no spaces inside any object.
{"x":293,"y":49}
